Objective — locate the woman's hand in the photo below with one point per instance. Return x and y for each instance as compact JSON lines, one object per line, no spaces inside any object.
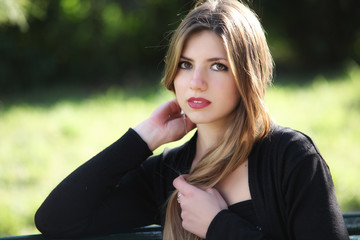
{"x":198,"y":207}
{"x":166,"y":124}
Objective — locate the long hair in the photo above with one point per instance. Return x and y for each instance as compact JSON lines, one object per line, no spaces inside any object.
{"x":252,"y":65}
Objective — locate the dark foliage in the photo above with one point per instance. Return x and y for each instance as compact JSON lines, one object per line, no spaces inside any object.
{"x":102,"y":42}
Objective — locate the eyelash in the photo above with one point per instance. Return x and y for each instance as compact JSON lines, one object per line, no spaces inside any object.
{"x":225,"y":68}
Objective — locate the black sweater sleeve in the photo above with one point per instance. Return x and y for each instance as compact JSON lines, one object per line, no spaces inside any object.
{"x":108,"y":193}
{"x":311,"y":204}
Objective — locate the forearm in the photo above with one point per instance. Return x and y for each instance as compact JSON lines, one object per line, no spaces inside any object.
{"x":73,"y":201}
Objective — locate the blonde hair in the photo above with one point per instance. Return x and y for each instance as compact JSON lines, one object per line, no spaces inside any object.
{"x":252,"y":65}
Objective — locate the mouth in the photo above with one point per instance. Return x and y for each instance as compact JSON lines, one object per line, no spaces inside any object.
{"x":198,"y":103}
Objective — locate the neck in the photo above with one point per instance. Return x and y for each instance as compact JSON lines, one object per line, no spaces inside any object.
{"x":206,"y":139}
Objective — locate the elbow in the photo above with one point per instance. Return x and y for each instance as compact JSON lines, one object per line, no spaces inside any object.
{"x":49,"y":224}
{"x":44,"y":224}
{"x":54,"y":225}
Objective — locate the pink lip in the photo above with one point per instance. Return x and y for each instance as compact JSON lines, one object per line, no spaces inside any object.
{"x":198,"y":103}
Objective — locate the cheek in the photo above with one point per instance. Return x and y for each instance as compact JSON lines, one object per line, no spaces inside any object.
{"x":179,"y":90}
{"x":233,"y":92}
{"x":237,"y":97}
{"x":175,"y":83}
{"x":178,"y":85}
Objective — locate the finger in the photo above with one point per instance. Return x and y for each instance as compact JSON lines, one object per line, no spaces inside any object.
{"x":182,"y":186}
{"x":213,"y":192}
{"x":174,"y":108}
{"x":168,"y":109}
{"x":216,"y":194}
{"x":185,"y":176}
{"x":179,"y":195}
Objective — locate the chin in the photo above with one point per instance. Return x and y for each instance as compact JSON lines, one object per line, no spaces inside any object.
{"x":198,"y":120}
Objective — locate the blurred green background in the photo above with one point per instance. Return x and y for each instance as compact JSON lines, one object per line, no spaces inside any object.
{"x":76,"y":74}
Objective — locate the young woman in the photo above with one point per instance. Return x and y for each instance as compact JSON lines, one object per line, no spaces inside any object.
{"x":239,"y":177}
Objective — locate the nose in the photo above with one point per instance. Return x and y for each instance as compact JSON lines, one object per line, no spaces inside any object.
{"x":198,"y":81}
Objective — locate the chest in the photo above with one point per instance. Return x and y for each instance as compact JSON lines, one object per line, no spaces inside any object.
{"x":235,"y":187}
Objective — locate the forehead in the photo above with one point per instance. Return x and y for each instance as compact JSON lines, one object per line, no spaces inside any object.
{"x":204,"y":43}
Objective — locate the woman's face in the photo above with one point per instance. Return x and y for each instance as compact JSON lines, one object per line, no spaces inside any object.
{"x":204,"y":84}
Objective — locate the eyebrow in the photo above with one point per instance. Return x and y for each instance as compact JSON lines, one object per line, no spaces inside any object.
{"x":209,"y":60}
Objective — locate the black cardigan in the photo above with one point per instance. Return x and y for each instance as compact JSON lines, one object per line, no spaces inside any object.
{"x":122,"y":187}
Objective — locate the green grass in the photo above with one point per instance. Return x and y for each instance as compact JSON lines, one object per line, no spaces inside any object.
{"x":43,"y":140}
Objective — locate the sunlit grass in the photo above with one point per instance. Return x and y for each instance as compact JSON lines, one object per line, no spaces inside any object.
{"x":42,"y":143}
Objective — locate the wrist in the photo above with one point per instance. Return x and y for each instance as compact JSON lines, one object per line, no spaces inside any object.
{"x":149,"y":135}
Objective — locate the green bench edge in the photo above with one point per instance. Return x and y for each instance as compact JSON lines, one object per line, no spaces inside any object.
{"x":352,"y":222}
